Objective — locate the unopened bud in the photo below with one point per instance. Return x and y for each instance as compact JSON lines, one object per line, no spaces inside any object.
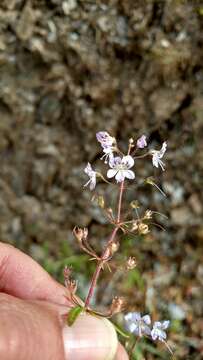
{"x":67,"y":272}
{"x":148,"y":214}
{"x":109,"y":211}
{"x":116,"y":305}
{"x":134,"y":204}
{"x":143,"y":229}
{"x":131,"y":141}
{"x":131,"y":263}
{"x":114,"y":247}
{"x":150,"y":180}
{"x":108,"y":254}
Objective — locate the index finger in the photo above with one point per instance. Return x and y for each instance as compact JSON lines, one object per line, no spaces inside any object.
{"x":22,"y":277}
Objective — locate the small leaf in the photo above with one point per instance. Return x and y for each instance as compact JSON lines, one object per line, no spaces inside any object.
{"x":73,"y":314}
{"x":121,"y":332}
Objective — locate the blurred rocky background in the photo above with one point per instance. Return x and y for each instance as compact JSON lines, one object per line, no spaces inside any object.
{"x":69,"y":68}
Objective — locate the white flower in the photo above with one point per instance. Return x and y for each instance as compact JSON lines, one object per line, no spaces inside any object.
{"x":158,"y":330}
{"x":137,"y":324}
{"x":92,"y":176}
{"x":120,"y":168}
{"x":106,"y":142}
{"x":157,"y":155}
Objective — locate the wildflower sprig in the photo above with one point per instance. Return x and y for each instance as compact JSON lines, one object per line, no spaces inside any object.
{"x":120,"y":170}
{"x":141,"y":326}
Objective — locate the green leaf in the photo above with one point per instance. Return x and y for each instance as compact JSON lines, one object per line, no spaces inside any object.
{"x":121,"y":332}
{"x":73,"y":314}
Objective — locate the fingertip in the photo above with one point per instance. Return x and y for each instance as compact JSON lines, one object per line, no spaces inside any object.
{"x":121,"y":353}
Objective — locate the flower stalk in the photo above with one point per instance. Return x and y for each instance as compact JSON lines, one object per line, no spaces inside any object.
{"x":106,"y":251}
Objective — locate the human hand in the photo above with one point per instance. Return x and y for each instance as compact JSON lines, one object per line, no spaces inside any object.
{"x":32,"y":305}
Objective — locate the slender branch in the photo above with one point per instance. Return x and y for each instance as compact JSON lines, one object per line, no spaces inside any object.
{"x":120,"y":202}
{"x":106,"y":250}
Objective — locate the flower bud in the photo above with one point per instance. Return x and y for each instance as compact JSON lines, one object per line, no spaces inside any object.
{"x":134,"y":204}
{"x":67,"y":272}
{"x":114,"y":247}
{"x":148,"y":214}
{"x":143,"y":229}
{"x":131,"y":263}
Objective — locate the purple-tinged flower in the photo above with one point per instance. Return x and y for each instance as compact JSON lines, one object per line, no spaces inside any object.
{"x":120,"y":168}
{"x":157,"y":155}
{"x":141,"y":142}
{"x":158,"y":332}
{"x":105,"y":139}
{"x":137,"y":324}
{"x":107,"y":143}
{"x":92,"y":176}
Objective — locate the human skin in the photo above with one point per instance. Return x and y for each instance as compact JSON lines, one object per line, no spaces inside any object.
{"x":33,"y":307}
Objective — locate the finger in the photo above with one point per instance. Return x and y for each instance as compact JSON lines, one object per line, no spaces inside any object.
{"x":121,"y":353}
{"x":33,"y":330}
{"x":90,"y":338}
{"x":23,"y":277}
{"x":29,"y":330}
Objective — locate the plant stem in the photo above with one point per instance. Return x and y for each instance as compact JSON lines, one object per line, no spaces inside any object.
{"x":120,"y":202}
{"x":106,"y":250}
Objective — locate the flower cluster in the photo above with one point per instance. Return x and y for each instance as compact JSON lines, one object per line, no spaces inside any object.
{"x":141,"y":326}
{"x":120,"y":167}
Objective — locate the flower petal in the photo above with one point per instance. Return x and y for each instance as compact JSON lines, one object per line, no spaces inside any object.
{"x":120,"y":176}
{"x":128,"y":161}
{"x":157,"y":324}
{"x":163,"y":149}
{"x":114,"y":161}
{"x":165,"y":324}
{"x":136,"y":316}
{"x":129,"y":174}
{"x":111,"y":173}
{"x":146,"y":319}
{"x":88,"y":169}
{"x":154,"y":334}
{"x":155,"y":160}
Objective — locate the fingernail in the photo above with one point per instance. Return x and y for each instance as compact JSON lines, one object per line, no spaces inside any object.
{"x":90,"y":338}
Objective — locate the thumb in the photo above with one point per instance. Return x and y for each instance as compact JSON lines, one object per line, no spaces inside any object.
{"x":90,"y":338}
{"x":35,"y":330}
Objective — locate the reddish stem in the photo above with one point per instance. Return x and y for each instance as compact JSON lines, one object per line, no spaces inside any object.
{"x":105,"y":252}
{"x":120,"y":202}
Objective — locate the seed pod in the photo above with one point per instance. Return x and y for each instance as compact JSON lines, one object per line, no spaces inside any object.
{"x":116,"y":305}
{"x":80,"y":234}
